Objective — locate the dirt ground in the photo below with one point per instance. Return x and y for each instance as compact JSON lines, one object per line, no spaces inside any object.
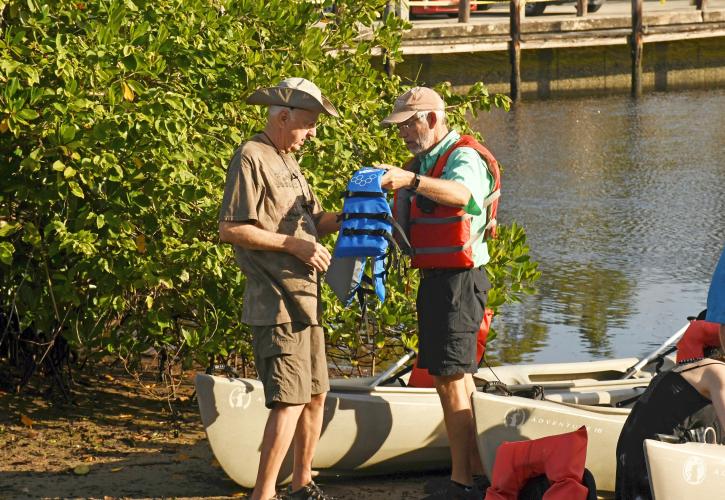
{"x":116,"y":441}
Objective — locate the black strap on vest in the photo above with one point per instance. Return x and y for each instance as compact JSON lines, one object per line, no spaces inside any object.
{"x":362,"y":194}
{"x":365,"y":215}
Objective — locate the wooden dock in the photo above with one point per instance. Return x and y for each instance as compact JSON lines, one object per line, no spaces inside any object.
{"x":487,"y":33}
{"x":630,"y":24}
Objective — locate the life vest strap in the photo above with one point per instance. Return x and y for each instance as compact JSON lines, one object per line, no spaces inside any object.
{"x":362,"y":194}
{"x":440,"y":220}
{"x":432,"y":250}
{"x":363,"y":215}
{"x":365,"y":232}
{"x":495,"y":195}
{"x":452,"y":249}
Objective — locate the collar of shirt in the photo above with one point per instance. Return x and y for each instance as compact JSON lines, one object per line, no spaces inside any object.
{"x":429,"y":159}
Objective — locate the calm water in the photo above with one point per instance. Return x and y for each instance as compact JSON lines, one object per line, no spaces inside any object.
{"x":624,"y":207}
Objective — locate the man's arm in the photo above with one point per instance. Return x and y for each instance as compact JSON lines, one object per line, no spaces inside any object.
{"x":716,"y":387}
{"x":327,"y":223}
{"x":249,"y":236}
{"x":443,"y":191}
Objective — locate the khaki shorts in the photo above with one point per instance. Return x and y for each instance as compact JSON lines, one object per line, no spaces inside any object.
{"x":291,"y":362}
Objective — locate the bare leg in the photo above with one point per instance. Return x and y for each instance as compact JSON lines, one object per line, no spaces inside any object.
{"x":458,"y":417}
{"x":306,"y":437}
{"x":278,"y":433}
{"x":476,"y":462}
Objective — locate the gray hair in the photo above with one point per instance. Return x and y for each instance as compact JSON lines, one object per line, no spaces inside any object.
{"x":274,"y":110}
{"x":440,"y":115}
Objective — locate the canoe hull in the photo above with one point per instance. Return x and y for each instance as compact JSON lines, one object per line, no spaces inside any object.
{"x":364,"y":431}
{"x":382,"y":429}
{"x":502,"y":418}
{"x":686,"y":470}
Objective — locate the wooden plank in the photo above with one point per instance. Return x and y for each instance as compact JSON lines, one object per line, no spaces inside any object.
{"x":713,"y":16}
{"x":456,"y":48}
{"x":663,"y":37}
{"x":527,"y":43}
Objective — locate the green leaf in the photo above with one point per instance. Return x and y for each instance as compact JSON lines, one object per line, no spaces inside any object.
{"x":76,"y":189}
{"x":27,"y":114}
{"x":67,"y":133}
{"x":6,"y":252}
{"x":8,"y":228}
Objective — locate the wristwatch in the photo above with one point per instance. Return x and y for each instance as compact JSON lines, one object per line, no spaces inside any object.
{"x":416,"y":182}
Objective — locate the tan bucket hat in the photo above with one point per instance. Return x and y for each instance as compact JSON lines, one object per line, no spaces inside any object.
{"x":294,"y":93}
{"x":414,"y":100}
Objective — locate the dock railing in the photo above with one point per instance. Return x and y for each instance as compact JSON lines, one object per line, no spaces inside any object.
{"x":403,"y":7}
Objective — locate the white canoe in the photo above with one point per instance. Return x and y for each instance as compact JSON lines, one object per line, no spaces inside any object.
{"x":510,"y":418}
{"x":388,"y":428}
{"x":686,"y":470}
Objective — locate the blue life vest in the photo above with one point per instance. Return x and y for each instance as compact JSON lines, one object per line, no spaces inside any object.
{"x":366,"y":232}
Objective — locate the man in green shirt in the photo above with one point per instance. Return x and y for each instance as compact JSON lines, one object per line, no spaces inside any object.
{"x":453,"y":287}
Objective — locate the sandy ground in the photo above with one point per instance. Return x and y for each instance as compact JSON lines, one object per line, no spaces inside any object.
{"x":116,"y":441}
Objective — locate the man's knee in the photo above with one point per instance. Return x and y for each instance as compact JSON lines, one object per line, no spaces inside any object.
{"x":317,"y":400}
{"x":449,"y":383}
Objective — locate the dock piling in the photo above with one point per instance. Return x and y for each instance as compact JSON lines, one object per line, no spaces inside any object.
{"x":516,"y":6}
{"x":464,"y":11}
{"x":636,"y":44}
{"x":582,"y":8}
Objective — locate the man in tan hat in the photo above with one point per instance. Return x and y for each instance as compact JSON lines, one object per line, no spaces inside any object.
{"x":451,"y":187}
{"x":274,"y":220}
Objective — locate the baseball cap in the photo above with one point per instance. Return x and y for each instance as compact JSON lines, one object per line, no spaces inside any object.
{"x":414,"y":100}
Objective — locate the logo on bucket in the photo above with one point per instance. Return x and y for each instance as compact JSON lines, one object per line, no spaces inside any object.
{"x":515,"y":418}
{"x":240,"y":398}
{"x":693,"y":470}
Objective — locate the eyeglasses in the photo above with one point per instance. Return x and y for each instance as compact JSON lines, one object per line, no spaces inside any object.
{"x":409,"y":123}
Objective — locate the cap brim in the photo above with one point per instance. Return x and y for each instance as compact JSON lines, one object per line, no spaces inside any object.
{"x":328,"y":108}
{"x":398,"y":117}
{"x":291,"y":98}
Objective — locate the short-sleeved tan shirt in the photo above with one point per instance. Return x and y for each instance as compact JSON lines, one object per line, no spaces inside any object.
{"x":267,"y":188}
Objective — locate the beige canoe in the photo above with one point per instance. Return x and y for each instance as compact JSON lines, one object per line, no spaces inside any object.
{"x":510,"y":418}
{"x":686,"y":470}
{"x":387,"y":428}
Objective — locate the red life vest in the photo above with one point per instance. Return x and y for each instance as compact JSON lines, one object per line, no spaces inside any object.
{"x":698,"y":336}
{"x":561,"y":458}
{"x":442,"y":238}
{"x":420,"y":377}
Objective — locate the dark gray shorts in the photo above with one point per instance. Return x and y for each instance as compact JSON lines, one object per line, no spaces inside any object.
{"x":451,"y":305}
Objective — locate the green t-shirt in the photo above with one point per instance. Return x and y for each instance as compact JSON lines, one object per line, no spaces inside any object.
{"x":466,"y":166}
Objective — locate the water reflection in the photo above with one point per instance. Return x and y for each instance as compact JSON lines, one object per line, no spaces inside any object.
{"x":623,"y":205}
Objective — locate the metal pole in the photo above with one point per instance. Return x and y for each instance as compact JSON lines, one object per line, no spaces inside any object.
{"x":635,"y":42}
{"x":464,"y":11}
{"x":393,"y":368}
{"x":701,"y":4}
{"x":651,"y":356}
{"x":515,"y":7}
